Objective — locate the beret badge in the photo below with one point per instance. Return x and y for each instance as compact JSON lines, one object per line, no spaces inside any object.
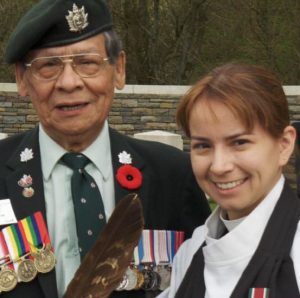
{"x":77,"y":19}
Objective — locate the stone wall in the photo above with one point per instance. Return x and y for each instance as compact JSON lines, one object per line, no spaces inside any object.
{"x":135,"y":109}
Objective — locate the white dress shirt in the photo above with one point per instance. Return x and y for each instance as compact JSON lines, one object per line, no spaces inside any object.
{"x":59,"y":205}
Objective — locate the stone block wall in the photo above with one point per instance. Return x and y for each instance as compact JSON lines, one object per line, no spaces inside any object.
{"x":135,"y":109}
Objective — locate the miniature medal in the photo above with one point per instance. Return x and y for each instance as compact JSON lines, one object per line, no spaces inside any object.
{"x":165,"y":276}
{"x":132,"y":279}
{"x":123,"y":283}
{"x":140,"y":279}
{"x":152,"y":280}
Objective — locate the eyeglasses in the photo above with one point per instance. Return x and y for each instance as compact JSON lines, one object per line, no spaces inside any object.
{"x":50,"y":68}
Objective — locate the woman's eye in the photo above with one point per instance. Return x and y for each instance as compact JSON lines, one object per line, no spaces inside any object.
{"x":240,"y":142}
{"x":200,"y":146}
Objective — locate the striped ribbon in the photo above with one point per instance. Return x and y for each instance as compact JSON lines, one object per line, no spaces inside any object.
{"x":148,"y":257}
{"x":16,"y":242}
{"x":179,"y":236}
{"x":160,"y":247}
{"x":35,"y":231}
{"x":26,"y":236}
{"x":157,"y":247}
{"x":171,"y":245}
{"x":258,"y":293}
{"x":4,"y":253}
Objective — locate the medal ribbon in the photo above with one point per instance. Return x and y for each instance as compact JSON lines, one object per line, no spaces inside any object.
{"x":156,"y":247}
{"x":163,"y":248}
{"x":35,"y":231}
{"x":179,"y":239}
{"x":258,"y":293}
{"x":136,"y":257}
{"x":171,"y":245}
{"x":4,"y":253}
{"x":16,"y":244}
{"x":148,"y":247}
{"x":160,"y":247}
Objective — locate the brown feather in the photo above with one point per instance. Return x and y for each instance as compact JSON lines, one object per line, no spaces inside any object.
{"x":103,"y":267}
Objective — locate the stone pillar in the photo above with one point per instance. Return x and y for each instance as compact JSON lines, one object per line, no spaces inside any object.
{"x":161,"y":136}
{"x":3,"y":135}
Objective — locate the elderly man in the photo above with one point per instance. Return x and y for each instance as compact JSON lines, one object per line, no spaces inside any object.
{"x":73,"y":168}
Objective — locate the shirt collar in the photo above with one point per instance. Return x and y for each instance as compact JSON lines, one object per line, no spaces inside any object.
{"x":98,"y":152}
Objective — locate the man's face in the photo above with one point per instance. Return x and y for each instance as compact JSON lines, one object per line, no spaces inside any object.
{"x":71,"y":108}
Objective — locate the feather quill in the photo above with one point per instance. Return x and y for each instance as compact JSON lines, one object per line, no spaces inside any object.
{"x":103,"y":267}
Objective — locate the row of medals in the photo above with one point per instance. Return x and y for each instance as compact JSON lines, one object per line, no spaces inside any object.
{"x":43,"y":262}
{"x":150,"y":278}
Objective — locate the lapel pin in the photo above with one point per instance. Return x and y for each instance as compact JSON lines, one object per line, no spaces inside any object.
{"x":26,"y":155}
{"x":28,"y":192}
{"x":127,"y":175}
{"x":25,"y":181}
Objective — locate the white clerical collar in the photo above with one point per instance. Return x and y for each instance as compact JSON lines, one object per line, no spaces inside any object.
{"x":230,"y":224}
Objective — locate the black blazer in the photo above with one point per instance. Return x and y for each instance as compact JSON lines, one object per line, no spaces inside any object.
{"x":169,"y":193}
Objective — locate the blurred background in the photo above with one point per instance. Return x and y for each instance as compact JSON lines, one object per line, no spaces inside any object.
{"x":174,"y":42}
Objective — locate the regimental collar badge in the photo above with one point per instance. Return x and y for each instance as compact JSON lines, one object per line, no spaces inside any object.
{"x":77,"y":19}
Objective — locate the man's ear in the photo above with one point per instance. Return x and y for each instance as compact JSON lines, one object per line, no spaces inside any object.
{"x":287,"y":144}
{"x":120,"y":73}
{"x":20,"y":79}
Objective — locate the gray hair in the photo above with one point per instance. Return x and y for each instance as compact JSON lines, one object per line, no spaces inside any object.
{"x":113,"y":45}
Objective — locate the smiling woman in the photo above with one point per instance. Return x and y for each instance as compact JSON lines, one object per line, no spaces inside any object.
{"x":238,"y":123}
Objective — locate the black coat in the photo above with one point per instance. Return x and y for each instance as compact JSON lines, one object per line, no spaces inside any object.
{"x":169,"y":193}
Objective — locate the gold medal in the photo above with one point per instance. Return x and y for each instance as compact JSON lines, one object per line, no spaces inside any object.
{"x":27,"y":270}
{"x":140,"y":279}
{"x":8,"y":279}
{"x":44,"y":260}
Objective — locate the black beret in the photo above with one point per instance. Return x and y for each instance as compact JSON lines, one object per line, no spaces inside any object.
{"x":52,"y":23}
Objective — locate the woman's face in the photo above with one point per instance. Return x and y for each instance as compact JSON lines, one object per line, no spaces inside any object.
{"x":235,"y":167}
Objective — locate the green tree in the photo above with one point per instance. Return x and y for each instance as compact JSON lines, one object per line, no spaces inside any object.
{"x":175,"y":41}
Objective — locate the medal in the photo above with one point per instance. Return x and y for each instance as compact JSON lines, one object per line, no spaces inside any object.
{"x":132,"y":279}
{"x":26,"y":270}
{"x":44,"y":260}
{"x":123,"y":283}
{"x":8,"y":279}
{"x":36,"y":232}
{"x":140,"y":279}
{"x":156,"y":281}
{"x":165,"y":276}
{"x":151,"y":280}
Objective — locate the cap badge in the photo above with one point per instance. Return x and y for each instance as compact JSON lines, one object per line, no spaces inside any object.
{"x":77,"y":19}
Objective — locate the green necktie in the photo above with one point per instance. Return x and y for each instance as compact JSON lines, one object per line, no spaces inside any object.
{"x":87,"y":200}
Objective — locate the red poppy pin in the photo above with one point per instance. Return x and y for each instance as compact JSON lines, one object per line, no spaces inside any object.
{"x":127,"y":175}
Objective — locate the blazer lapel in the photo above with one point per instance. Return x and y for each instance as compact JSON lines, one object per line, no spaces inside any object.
{"x":121,"y":143}
{"x":24,"y":206}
